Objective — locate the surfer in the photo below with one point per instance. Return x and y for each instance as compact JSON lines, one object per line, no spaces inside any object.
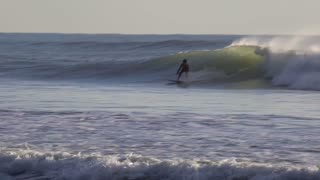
{"x":184,"y":68}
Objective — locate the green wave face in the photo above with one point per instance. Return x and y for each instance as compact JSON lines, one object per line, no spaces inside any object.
{"x":237,"y":62}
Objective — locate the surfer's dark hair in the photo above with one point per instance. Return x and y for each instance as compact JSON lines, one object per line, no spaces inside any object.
{"x":185,"y":60}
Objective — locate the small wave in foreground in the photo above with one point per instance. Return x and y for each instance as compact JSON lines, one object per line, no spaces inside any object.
{"x":51,"y":165}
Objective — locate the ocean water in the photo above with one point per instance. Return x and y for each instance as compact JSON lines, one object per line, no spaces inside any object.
{"x":96,"y":107}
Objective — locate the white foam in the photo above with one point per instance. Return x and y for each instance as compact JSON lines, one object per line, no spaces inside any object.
{"x":290,"y":61}
{"x":58,"y":165}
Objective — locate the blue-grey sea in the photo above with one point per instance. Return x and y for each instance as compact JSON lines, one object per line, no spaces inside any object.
{"x":100,"y":107}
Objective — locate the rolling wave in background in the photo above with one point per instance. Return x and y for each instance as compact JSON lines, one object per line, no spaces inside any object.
{"x":291,"y":62}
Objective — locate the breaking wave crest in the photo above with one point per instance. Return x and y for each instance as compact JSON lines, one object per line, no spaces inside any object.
{"x":293,"y":62}
{"x":18,"y":163}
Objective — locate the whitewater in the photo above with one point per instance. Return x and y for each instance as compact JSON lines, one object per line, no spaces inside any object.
{"x":96,"y":107}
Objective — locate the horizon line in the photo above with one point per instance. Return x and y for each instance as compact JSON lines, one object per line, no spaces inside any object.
{"x":159,"y":34}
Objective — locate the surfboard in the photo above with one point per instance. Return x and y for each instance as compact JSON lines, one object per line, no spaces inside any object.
{"x":175,"y":82}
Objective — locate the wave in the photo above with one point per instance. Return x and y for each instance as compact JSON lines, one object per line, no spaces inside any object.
{"x":290,"y":62}
{"x":239,"y":60}
{"x":17,"y":163}
{"x":213,"y":64}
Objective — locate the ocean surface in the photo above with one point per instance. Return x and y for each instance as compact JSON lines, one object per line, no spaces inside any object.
{"x":97,"y":107}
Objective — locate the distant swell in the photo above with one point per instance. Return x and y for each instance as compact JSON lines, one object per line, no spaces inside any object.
{"x":60,"y":165}
{"x":168,"y":44}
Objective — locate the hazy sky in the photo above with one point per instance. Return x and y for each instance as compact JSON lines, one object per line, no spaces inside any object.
{"x":161,"y":16}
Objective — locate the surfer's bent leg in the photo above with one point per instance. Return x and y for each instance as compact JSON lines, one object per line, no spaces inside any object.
{"x":180,"y":73}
